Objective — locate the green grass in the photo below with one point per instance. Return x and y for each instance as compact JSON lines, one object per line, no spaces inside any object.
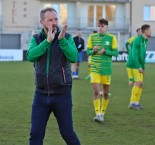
{"x":121,"y":127}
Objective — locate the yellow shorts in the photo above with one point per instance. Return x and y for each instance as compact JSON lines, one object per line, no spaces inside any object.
{"x":100,"y":79}
{"x":130,"y":74}
{"x":138,"y":77}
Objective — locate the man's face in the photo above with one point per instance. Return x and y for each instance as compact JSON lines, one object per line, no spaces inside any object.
{"x":148,"y":32}
{"x":102,"y":28}
{"x":50,"y":20}
{"x":79,"y":33}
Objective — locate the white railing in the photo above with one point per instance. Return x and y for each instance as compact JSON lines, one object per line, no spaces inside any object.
{"x":117,"y":24}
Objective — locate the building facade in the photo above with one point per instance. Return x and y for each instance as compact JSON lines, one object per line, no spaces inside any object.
{"x":143,"y":12}
{"x":124,"y":16}
{"x":0,"y":15}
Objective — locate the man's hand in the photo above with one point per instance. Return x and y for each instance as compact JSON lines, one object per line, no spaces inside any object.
{"x":101,"y":51}
{"x":141,"y":70}
{"x":51,"y":35}
{"x":95,"y":49}
{"x":62,"y":33}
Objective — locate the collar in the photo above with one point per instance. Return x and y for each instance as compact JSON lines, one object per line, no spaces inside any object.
{"x":102,"y":35}
{"x":143,"y":38}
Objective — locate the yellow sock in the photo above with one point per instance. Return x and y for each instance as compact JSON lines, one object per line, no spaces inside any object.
{"x":104,"y":105}
{"x":139,"y":95}
{"x":97,"y":106}
{"x":134,"y":94}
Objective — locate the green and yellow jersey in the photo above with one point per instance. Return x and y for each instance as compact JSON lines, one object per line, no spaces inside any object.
{"x":102,"y":63}
{"x":136,"y":57}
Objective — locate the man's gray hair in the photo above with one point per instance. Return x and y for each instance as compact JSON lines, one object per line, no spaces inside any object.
{"x":42,"y":13}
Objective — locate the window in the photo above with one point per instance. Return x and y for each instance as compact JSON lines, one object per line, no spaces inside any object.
{"x":61,"y":10}
{"x":99,"y":12}
{"x":63,"y":14}
{"x":149,"y":13}
{"x":91,"y":16}
{"x":110,"y":12}
{"x":96,"y":12}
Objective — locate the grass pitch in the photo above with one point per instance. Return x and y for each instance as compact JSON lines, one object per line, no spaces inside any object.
{"x":121,"y":127}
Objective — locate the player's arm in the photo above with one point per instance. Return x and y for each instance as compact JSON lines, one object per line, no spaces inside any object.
{"x":128,"y":43}
{"x":114,"y":50}
{"x":127,"y":46}
{"x":135,"y":52}
{"x":90,"y":50}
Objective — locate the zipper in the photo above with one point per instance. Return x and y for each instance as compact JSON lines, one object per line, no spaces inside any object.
{"x":47,"y":69}
{"x":63,"y":72}
{"x":48,"y":87}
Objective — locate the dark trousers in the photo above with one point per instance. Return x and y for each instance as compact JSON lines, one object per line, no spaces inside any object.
{"x":43,"y":106}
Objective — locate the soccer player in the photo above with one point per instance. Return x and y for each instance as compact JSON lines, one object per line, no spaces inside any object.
{"x":136,"y":61}
{"x":79,"y":42}
{"x":101,"y":46}
{"x":128,"y":45}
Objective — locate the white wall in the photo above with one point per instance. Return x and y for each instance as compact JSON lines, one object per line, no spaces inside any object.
{"x":0,"y":7}
{"x":0,"y":17}
{"x":19,"y":15}
{"x":72,"y":19}
{"x":84,"y":15}
{"x":120,"y":16}
{"x":77,"y":15}
{"x":138,"y":15}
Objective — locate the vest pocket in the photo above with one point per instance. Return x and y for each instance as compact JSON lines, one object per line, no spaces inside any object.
{"x":41,"y":81}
